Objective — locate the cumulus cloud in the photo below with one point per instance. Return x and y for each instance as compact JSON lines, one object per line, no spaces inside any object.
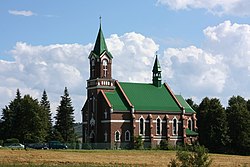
{"x":218,"y":7}
{"x":194,"y":71}
{"x":21,"y":12}
{"x":53,"y":67}
{"x":220,"y":69}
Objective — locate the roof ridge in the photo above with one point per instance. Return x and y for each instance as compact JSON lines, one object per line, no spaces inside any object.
{"x":124,"y":94}
{"x":174,"y":97}
{"x":105,"y":97}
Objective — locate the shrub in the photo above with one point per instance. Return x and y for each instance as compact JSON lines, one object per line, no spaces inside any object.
{"x":163,"y":145}
{"x":197,"y":157}
{"x":138,"y":143}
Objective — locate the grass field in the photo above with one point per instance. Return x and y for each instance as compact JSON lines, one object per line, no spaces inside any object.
{"x":104,"y":158}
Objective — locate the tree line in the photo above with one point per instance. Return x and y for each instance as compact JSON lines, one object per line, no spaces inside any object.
{"x":30,"y":121}
{"x":224,"y":130}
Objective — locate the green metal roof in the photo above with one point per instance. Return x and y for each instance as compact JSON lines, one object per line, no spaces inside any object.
{"x":117,"y":100}
{"x":100,"y":44}
{"x":184,"y":104}
{"x":191,"y":133}
{"x":144,"y":97}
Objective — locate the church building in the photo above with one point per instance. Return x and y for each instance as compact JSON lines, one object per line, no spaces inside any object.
{"x":117,"y":112}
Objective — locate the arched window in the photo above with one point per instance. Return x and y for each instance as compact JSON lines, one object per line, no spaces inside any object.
{"x":105,"y":67}
{"x":175,"y":126}
{"x":190,"y":124}
{"x":117,"y":136}
{"x":158,"y":126}
{"x":127,"y":135}
{"x":141,"y":126}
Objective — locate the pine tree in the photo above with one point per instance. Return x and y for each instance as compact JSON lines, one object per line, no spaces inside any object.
{"x":216,"y":118}
{"x":202,"y":121}
{"x":15,"y":107}
{"x":192,"y":104}
{"x":32,"y":127}
{"x":46,"y":116}
{"x":239,"y":124}
{"x":212,"y":125}
{"x":7,"y":123}
{"x":22,"y":120}
{"x":65,"y":118}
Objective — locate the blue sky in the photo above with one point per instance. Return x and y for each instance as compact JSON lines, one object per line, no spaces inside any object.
{"x":204,"y":47}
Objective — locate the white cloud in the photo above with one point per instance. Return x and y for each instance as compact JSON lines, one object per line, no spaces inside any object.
{"x":21,"y":12}
{"x":218,"y":7}
{"x":53,"y":67}
{"x":220,"y":69}
{"x":194,"y":71}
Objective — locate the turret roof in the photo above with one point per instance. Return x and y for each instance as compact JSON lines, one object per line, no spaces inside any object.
{"x":157,"y":67}
{"x":100,"y":45}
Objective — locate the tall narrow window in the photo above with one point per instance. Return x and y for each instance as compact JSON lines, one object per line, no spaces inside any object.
{"x":93,"y":68}
{"x":117,"y":136}
{"x":158,"y":126}
{"x":175,"y":126}
{"x":105,"y":136}
{"x":190,"y":125}
{"x":141,"y":126}
{"x":105,"y":67}
{"x":127,"y":135}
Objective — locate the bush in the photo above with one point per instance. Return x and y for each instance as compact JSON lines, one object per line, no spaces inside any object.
{"x":163,"y":145}
{"x":138,"y":143}
{"x":196,"y":157}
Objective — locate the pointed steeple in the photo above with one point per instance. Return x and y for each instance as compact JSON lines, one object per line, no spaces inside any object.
{"x":100,"y":44}
{"x":156,"y":73}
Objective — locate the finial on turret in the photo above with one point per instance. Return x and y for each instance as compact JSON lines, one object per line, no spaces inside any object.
{"x":100,"y":18}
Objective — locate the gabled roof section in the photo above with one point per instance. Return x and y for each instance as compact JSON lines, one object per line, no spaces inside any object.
{"x":100,"y":45}
{"x":147,"y":97}
{"x":118,"y":100}
{"x":183,"y":102}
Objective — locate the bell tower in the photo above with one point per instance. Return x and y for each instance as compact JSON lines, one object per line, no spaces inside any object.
{"x":100,"y":60}
{"x":100,"y":79}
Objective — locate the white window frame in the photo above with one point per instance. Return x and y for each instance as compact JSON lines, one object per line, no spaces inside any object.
{"x":119,"y":135}
{"x":143,"y":126}
{"x":175,"y":125}
{"x":158,"y":118}
{"x":105,"y":67}
{"x":127,"y":135}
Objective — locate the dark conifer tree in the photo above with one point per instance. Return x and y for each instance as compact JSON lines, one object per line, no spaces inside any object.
{"x":212,"y":125}
{"x":218,"y":126}
{"x":7,"y":123}
{"x":65,"y":118}
{"x":46,"y":116}
{"x":16,"y":108}
{"x":202,"y":121}
{"x":193,"y":105}
{"x":32,"y":129}
{"x":239,"y":124}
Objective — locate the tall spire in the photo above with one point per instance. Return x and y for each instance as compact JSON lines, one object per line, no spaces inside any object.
{"x":100,"y":44}
{"x":156,"y":73}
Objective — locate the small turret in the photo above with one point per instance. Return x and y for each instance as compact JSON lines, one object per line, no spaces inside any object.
{"x":156,"y":73}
